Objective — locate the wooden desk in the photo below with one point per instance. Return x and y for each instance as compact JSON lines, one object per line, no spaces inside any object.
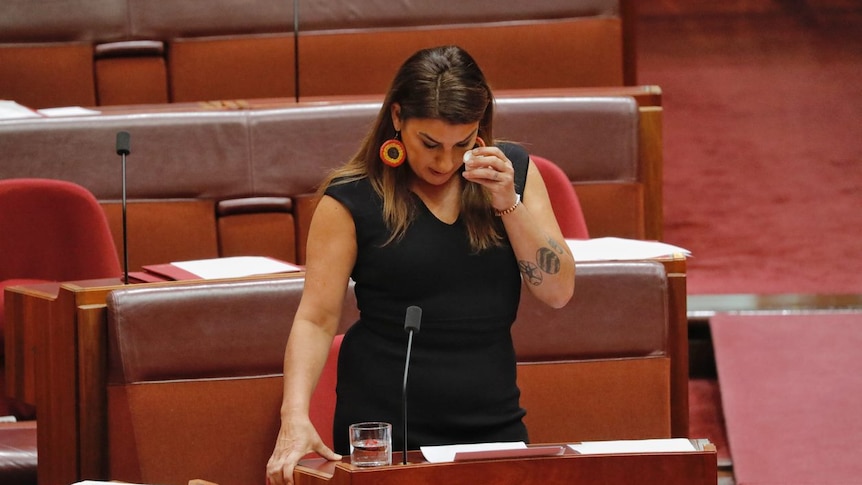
{"x":62,"y":366}
{"x":28,"y":303}
{"x":678,"y":344}
{"x":693,"y":468}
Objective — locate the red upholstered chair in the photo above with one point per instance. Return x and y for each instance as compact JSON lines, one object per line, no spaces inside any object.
{"x":564,"y":200}
{"x":51,"y":230}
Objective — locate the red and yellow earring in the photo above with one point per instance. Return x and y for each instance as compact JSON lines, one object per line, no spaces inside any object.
{"x":392,"y":151}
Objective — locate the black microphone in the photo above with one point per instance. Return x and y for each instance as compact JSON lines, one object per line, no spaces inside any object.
{"x":411,"y":325}
{"x":123,"y":149}
{"x":123,"y":143}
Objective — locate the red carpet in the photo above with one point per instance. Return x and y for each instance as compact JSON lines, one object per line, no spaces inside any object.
{"x":791,"y":388}
{"x":763,"y":140}
{"x":763,"y":182}
{"x":706,"y":418}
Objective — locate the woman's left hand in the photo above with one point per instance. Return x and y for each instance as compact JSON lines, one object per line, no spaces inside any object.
{"x":489,"y":167}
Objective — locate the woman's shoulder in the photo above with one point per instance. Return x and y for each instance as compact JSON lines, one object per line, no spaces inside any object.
{"x":354,"y":193}
{"x":348,"y":186}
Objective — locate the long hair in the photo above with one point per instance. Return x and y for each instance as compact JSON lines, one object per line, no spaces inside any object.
{"x":442,"y":83}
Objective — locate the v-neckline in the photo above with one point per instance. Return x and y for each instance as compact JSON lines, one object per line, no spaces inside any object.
{"x":427,"y":209}
{"x":434,"y":215}
{"x":456,"y":213}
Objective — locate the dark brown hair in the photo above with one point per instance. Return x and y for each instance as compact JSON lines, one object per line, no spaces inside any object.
{"x":442,"y":83}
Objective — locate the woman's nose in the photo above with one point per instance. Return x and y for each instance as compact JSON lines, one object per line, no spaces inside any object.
{"x":448,"y":160}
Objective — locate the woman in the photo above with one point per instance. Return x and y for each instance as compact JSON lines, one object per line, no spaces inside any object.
{"x":424,"y":214}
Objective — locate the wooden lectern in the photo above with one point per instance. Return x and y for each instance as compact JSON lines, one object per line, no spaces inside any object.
{"x":678,"y":468}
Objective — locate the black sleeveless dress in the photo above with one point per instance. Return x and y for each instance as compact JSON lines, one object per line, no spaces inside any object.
{"x":462,"y":379}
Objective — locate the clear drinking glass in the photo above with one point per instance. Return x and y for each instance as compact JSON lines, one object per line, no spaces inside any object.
{"x":371,"y":444}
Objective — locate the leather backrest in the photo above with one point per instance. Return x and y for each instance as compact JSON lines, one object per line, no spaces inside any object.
{"x":203,"y":331}
{"x":195,"y":154}
{"x":203,"y":18}
{"x":257,"y":225}
{"x":294,"y":148}
{"x":329,"y":15}
{"x":593,"y":139}
{"x":288,"y":150}
{"x":619,"y":309}
{"x":263,"y":48}
{"x":160,"y":231}
{"x":230,"y":329}
{"x":53,"y":230}
{"x":112,"y":20}
{"x":46,"y":49}
{"x":47,"y":75}
{"x":38,"y":21}
{"x":509,"y":40}
{"x":192,"y":154}
{"x":131,"y":72}
{"x":232,"y":67}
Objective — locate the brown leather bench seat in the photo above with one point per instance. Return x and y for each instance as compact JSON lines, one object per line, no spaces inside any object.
{"x":207,"y":183}
{"x":194,"y":371}
{"x":116,"y":52}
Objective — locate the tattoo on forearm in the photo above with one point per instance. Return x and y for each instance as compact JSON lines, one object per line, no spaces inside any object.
{"x":548,"y":261}
{"x":531,"y":272}
{"x":555,"y":246}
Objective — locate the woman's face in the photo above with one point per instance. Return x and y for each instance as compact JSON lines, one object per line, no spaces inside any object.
{"x":435,"y":149}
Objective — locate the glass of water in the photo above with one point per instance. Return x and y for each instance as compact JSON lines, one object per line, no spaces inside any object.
{"x":371,"y":444}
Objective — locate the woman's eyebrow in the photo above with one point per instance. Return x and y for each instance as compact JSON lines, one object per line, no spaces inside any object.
{"x":432,"y":140}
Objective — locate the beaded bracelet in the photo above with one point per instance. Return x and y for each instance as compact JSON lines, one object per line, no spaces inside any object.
{"x":511,"y":209}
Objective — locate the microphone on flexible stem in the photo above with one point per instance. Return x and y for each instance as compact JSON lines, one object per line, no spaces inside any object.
{"x":123,"y":149}
{"x":411,"y":325}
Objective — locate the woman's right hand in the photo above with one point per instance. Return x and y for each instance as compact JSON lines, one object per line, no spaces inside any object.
{"x":296,"y":439}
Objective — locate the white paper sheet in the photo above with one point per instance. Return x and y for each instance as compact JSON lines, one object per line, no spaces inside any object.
{"x":10,"y":110}
{"x":620,"y":249}
{"x":633,"y":446}
{"x":446,"y":453}
{"x":235,"y":267}
{"x":99,"y":482}
{"x":68,"y":111}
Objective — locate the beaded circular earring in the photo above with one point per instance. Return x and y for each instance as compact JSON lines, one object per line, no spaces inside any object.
{"x":392,"y":151}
